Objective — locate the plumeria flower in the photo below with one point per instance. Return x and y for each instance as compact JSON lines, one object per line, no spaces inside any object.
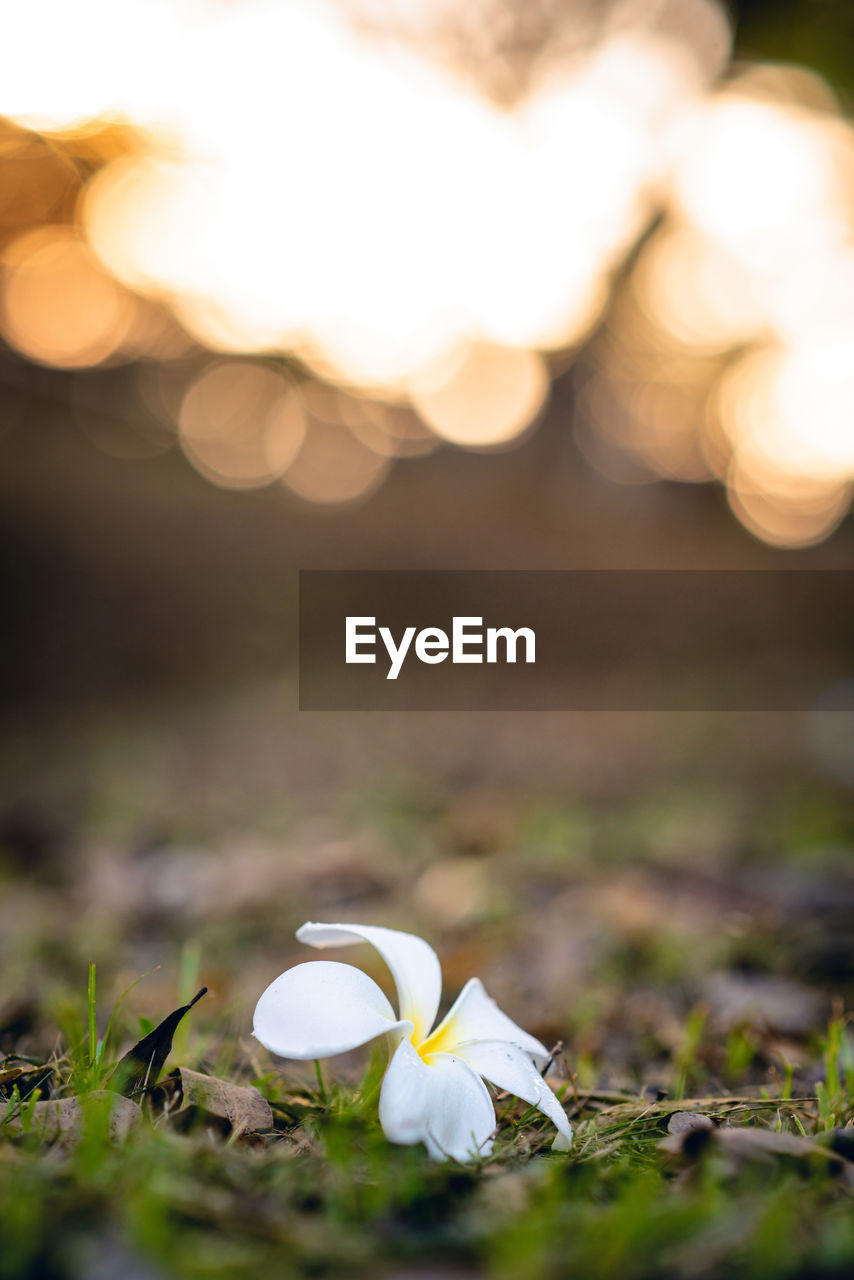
{"x":433,"y":1090}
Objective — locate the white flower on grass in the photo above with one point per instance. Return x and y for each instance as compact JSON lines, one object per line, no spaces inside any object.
{"x":433,"y":1090}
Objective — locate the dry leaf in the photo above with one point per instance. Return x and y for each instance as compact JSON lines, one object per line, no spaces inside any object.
{"x":190,"y":1096}
{"x":25,"y":1079}
{"x":689,"y":1122}
{"x":63,"y":1118}
{"x":743,"y":1144}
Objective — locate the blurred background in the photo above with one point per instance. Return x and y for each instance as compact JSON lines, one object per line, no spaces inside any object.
{"x":562,"y":283}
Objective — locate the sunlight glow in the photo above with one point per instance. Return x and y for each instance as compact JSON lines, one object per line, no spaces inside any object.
{"x":365,"y":208}
{"x":241,"y":424}
{"x":338,"y":184}
{"x":59,"y":306}
{"x":488,"y":398}
{"x":744,"y":297}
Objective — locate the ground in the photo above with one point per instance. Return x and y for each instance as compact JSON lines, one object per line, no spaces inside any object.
{"x":670,"y":898}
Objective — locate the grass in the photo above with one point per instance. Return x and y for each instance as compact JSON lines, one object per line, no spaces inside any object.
{"x":602,"y":918}
{"x":322,"y":1193}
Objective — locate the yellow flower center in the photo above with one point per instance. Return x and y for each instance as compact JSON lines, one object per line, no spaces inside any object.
{"x":442,"y":1040}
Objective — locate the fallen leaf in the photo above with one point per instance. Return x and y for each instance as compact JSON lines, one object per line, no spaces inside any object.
{"x":142,"y":1064}
{"x":25,"y":1078}
{"x":751,"y":1143}
{"x":190,"y":1097}
{"x":63,"y":1118}
{"x":689,"y":1122}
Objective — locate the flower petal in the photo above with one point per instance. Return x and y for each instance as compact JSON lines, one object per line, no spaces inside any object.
{"x":404,"y":1096}
{"x":475,"y":1016}
{"x":321,"y":1008}
{"x":413,"y":963}
{"x":507,"y":1067}
{"x":441,"y":1103}
{"x":460,"y":1114}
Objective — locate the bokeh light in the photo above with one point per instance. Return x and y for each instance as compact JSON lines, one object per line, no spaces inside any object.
{"x":421,"y":217}
{"x":241,"y":424}
{"x":391,"y":430}
{"x":487,"y":397}
{"x":732,"y":347}
{"x":785,"y":510}
{"x":59,"y":306}
{"x":334,"y":466}
{"x":40,"y":182}
{"x":413,"y":213}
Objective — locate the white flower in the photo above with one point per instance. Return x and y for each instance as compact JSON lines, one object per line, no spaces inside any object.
{"x":433,"y":1090}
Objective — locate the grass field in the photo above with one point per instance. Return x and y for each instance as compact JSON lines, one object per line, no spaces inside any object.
{"x":689,"y":940}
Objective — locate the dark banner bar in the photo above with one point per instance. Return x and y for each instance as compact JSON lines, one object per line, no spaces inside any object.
{"x":586,"y":640}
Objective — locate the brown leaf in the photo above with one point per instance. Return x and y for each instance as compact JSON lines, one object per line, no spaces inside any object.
{"x":24,"y":1079}
{"x":689,"y":1122}
{"x":63,"y":1118}
{"x":189,"y":1096}
{"x":752,"y":1143}
{"x":142,"y":1064}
